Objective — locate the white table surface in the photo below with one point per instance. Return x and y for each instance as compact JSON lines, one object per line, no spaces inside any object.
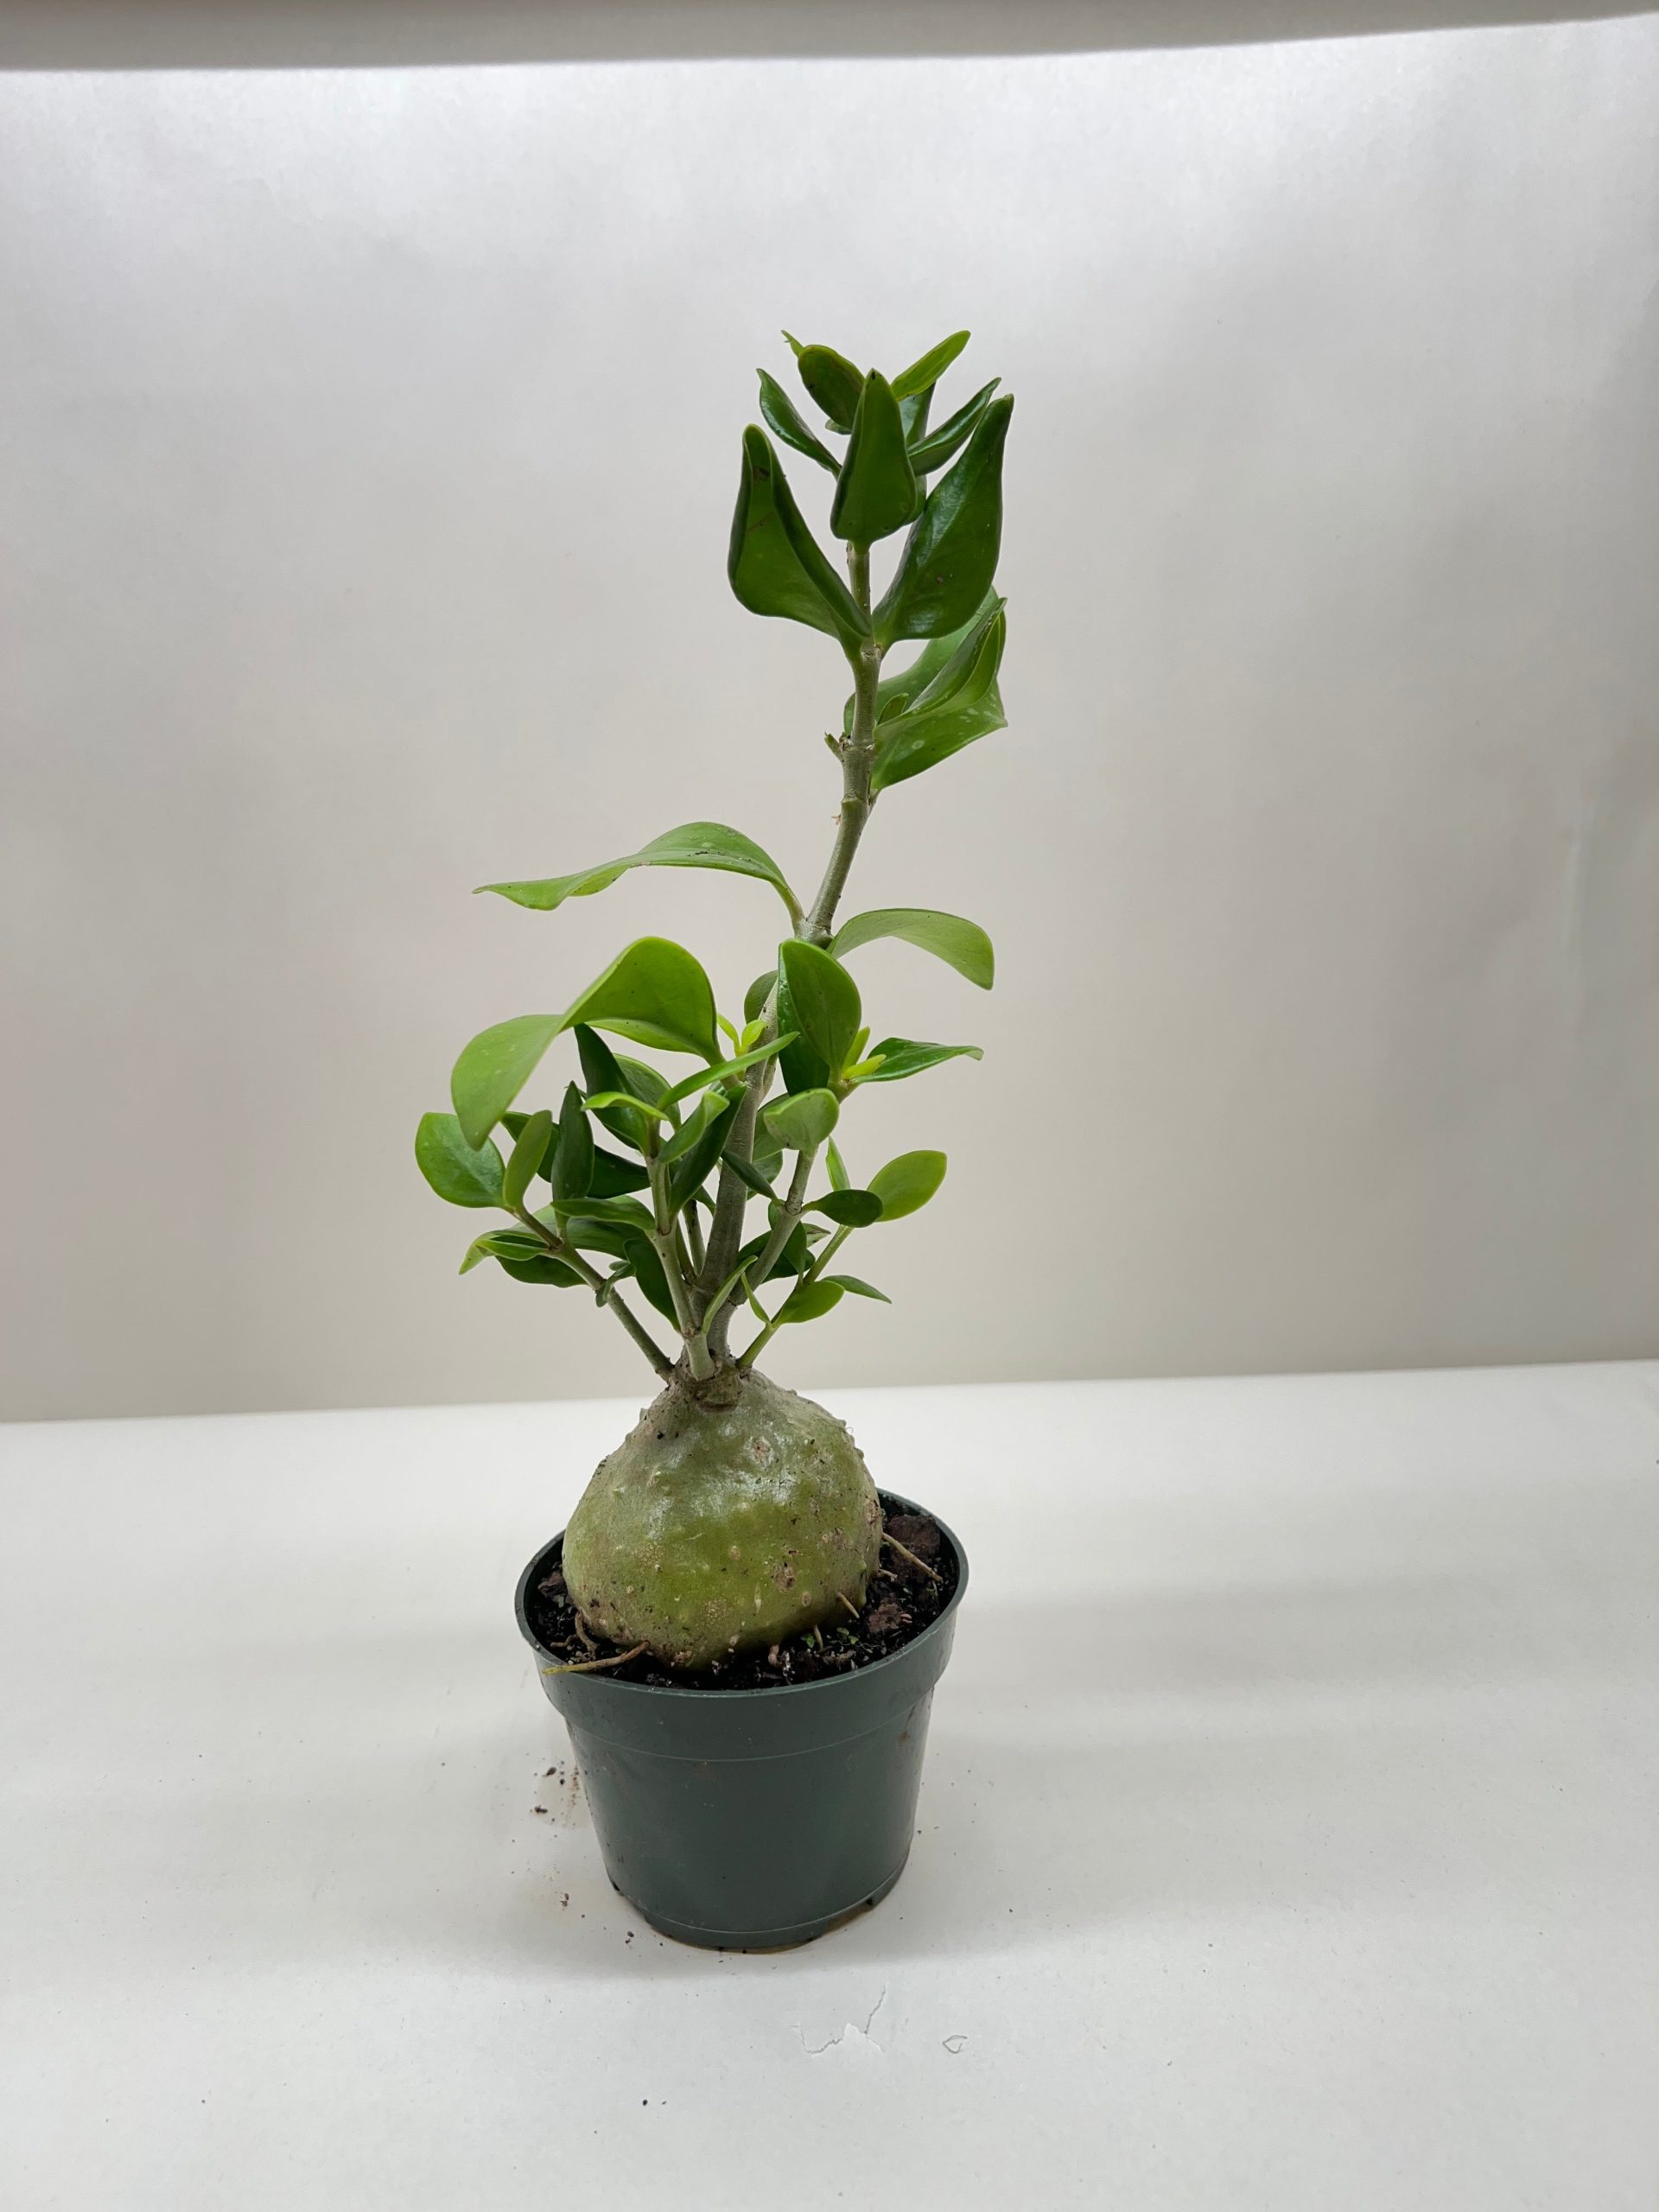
{"x":1287,"y":1837}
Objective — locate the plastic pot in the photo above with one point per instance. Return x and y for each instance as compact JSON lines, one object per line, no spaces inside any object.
{"x":754,"y":1820}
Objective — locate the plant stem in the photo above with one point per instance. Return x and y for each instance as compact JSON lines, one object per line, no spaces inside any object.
{"x":694,"y":1239}
{"x":666,"y":1241}
{"x":810,"y":1276}
{"x":857,"y":759}
{"x":606,"y":1294}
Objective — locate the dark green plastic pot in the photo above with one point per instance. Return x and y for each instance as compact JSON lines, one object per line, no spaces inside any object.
{"x":752,"y":1820}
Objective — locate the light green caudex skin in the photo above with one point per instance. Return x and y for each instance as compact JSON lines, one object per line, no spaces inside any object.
{"x":737,"y":1513}
{"x":715,"y":1528}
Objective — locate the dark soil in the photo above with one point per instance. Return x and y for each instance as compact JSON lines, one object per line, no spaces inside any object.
{"x":902,"y":1600}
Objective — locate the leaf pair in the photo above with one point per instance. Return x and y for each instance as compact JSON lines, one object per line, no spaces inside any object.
{"x":946,"y":699}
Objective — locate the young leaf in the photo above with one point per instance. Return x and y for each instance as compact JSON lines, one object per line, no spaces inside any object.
{"x":802,"y":1068}
{"x":801,"y":1119}
{"x":922,"y":375}
{"x":810,"y":1299}
{"x":942,"y":723}
{"x":465,"y":1174}
{"x":824,"y":1001}
{"x":778,"y":408}
{"x":875,"y":492}
{"x":931,"y":452}
{"x":655,"y":993}
{"x":573,"y":1163}
{"x":775,"y":564}
{"x":839,"y":1178}
{"x":694,"y":844}
{"x":906,"y":1183}
{"x":530,"y":1149}
{"x":832,"y":380}
{"x":949,"y":556}
{"x":857,"y":1285}
{"x":961,"y":944}
{"x":902,"y":1056}
{"x":849,"y":1209}
{"x":494,"y":1067}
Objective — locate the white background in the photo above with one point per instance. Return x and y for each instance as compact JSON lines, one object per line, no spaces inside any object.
{"x":365,"y":465}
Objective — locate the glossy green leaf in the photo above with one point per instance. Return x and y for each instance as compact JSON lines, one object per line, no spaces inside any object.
{"x":932,"y":451}
{"x":794,"y":1260}
{"x":801,"y":1067}
{"x":810,"y":1299}
{"x":831,"y":379}
{"x":903,"y":1056}
{"x":748,"y":1172}
{"x":530,"y":1149}
{"x":689,"y":1171}
{"x":859,"y":1288}
{"x":603,"y":1075}
{"x":755,"y":998}
{"x":494,"y":1067}
{"x":465,"y":1174}
{"x":573,"y":1163}
{"x":778,"y":409}
{"x":875,"y":492}
{"x":913,"y":416}
{"x":839,"y":1178}
{"x":949,"y":557}
{"x":895,"y":692}
{"x":612,"y":1175}
{"x":723,"y":1069}
{"x":960,"y":943}
{"x":543,"y":1268}
{"x":942,"y":722}
{"x":801,"y":1119}
{"x":655,"y":993}
{"x":768,"y":1158}
{"x":775,"y":564}
{"x":849,"y":1209}
{"x":906,"y":1183}
{"x":922,"y":375}
{"x":624,"y":1213}
{"x":648,"y":1273}
{"x":522,"y":1255}
{"x":694,"y":844}
{"x":824,"y":1001}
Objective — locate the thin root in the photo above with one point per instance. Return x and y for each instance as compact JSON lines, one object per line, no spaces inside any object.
{"x":591,"y":1666}
{"x":848,"y":1602}
{"x":905,"y":1552}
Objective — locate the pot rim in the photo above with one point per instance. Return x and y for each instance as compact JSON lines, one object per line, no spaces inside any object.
{"x":610,"y":1686}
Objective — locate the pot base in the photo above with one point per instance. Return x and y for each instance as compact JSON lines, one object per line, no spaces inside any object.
{"x":763,"y":1940}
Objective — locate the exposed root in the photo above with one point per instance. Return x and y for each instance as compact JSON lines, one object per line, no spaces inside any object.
{"x":592,"y":1666}
{"x":905,"y":1552}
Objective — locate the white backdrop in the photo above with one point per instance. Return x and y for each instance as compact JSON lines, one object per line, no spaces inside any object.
{"x":367,"y":456}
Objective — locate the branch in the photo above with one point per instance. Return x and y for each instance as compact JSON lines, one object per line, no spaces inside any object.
{"x":604,"y":1293}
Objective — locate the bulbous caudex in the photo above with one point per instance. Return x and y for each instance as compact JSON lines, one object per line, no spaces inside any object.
{"x":721,"y":1526}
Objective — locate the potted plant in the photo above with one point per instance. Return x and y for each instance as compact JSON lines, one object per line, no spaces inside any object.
{"x":741,"y":1632}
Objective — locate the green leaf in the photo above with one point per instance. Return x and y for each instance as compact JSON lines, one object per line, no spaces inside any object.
{"x":685,"y":1088}
{"x":897,"y":692}
{"x":875,"y":492}
{"x":824,"y":1001}
{"x":949,"y":557}
{"x":655,"y":993}
{"x":943,"y":722}
{"x":602,"y":1074}
{"x":801,"y":1120}
{"x":840,"y":1179}
{"x":922,"y":375}
{"x":775,"y":564}
{"x":612,"y":1175}
{"x":755,"y":998}
{"x":523,"y":1256}
{"x":626,"y":1213}
{"x":778,"y":408}
{"x":810,"y":1299}
{"x":748,"y":1172}
{"x":906,"y":1183}
{"x":530,"y":1149}
{"x":689,"y":1171}
{"x":494,"y":1067}
{"x":801,"y":1067}
{"x":694,"y":844}
{"x":961,"y":944}
{"x":648,"y":1273}
{"x":903,"y":1056}
{"x":859,"y":1288}
{"x":832,"y":380}
{"x":912,"y":413}
{"x":543,"y":1267}
{"x":573,"y":1163}
{"x":932,"y":452}
{"x":794,"y":1260}
{"x":849,"y":1209}
{"x":465,"y":1174}
{"x":768,"y":1156}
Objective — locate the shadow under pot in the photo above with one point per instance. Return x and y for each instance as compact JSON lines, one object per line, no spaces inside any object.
{"x":754,"y":1819}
